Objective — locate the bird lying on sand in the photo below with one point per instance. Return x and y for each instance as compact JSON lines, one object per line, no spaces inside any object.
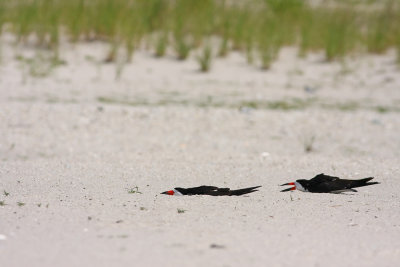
{"x":328,"y":184}
{"x":210,"y":190}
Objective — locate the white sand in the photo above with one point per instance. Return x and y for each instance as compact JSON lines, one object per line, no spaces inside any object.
{"x":72,"y":159}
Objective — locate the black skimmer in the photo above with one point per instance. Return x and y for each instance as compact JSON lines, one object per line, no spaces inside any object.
{"x":209,"y":190}
{"x":328,"y":184}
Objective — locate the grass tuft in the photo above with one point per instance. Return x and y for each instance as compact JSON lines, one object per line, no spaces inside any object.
{"x":161,"y":44}
{"x":134,"y":190}
{"x":258,"y":28}
{"x":181,"y":210}
{"x":182,"y":48}
{"x":205,"y":58}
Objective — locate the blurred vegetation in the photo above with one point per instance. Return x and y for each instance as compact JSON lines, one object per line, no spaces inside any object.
{"x":258,"y":28}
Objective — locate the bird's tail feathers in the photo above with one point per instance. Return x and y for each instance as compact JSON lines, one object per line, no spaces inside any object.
{"x":243,"y":191}
{"x":363,"y":182}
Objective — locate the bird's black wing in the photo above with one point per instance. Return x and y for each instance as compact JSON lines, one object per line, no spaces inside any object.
{"x":219,"y":192}
{"x":322,"y":178}
{"x":239,"y":192}
{"x":200,"y":190}
{"x":215,"y":191}
{"x":327,"y":186}
{"x":342,"y":185}
{"x":226,"y":189}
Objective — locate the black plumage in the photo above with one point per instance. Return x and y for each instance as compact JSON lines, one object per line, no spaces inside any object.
{"x":322,"y":183}
{"x":212,"y":191}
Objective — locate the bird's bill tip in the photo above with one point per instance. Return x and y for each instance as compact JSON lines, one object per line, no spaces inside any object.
{"x":292,"y":183}
{"x":170,"y":192}
{"x":289,"y":189}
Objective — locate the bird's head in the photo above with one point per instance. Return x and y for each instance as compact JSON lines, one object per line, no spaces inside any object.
{"x":301,"y":185}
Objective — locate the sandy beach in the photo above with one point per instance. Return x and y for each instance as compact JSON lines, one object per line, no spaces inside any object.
{"x":85,"y":154}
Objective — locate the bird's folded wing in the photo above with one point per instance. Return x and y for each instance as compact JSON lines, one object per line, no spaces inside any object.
{"x":223,"y":189}
{"x":323,"y":178}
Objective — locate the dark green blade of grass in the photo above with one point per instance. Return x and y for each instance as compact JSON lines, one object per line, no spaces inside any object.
{"x":263,"y":25}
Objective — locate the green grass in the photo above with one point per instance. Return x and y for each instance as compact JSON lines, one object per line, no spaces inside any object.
{"x":41,"y":65}
{"x":134,"y":190}
{"x":257,"y":28}
{"x":287,"y":104}
{"x":340,"y":33}
{"x":205,"y":58}
{"x":161,"y":44}
{"x":182,"y":48}
{"x":181,"y":210}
